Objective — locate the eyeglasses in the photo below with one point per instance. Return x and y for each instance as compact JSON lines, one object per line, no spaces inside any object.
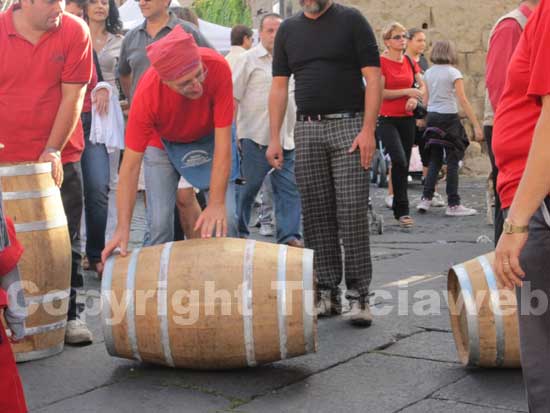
{"x":189,"y":84}
{"x":399,"y":37}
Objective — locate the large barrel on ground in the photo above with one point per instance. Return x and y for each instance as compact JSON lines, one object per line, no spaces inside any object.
{"x":210,"y":304}
{"x":483,"y":317}
{"x":33,"y":201}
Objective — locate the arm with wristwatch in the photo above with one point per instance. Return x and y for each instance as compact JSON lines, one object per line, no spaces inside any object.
{"x":533,"y":188}
{"x":64,"y":125}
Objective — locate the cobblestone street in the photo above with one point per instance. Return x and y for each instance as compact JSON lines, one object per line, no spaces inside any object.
{"x":406,"y":362}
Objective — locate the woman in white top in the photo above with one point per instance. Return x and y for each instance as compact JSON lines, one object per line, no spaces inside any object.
{"x":99,"y":168}
{"x":445,"y":136}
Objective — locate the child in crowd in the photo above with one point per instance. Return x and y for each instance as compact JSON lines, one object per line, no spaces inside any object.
{"x":445,"y":136}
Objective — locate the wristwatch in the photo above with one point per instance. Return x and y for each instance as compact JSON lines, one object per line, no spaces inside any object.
{"x":53,"y":151}
{"x":509,"y":228}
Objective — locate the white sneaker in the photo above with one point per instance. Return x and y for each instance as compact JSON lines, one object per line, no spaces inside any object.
{"x":437,"y":201}
{"x":459,"y":211}
{"x":77,"y":332}
{"x":266,"y":230}
{"x":388,"y":200}
{"x":423,"y":205}
{"x":359,"y":314}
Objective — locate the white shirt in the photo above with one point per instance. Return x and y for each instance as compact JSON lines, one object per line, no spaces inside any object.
{"x":252,"y":78}
{"x":234,"y":54}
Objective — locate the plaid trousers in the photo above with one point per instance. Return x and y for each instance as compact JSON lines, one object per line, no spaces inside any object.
{"x":335,"y":194}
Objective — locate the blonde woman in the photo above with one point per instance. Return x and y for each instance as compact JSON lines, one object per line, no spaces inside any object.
{"x":396,"y":123}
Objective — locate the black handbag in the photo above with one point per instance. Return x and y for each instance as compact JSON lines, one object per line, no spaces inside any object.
{"x":420,"y":112}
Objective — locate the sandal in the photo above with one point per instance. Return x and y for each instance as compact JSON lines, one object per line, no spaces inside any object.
{"x":406,"y":221}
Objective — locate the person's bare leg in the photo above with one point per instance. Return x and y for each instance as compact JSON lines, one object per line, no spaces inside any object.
{"x":189,"y":211}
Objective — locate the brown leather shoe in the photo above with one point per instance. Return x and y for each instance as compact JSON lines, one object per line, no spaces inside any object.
{"x":295,"y":243}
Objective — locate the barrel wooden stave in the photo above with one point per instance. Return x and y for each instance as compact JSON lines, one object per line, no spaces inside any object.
{"x":45,"y":266}
{"x":486,"y":334}
{"x":214,"y":341}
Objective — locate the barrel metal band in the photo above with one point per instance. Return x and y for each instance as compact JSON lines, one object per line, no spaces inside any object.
{"x":26,"y":169}
{"x":48,"y":298}
{"x":471,"y":313}
{"x":281,"y":300}
{"x":131,"y":309}
{"x":31,"y":331}
{"x":248,"y":268}
{"x":307,"y":300}
{"x":39,"y":354}
{"x":106,"y":297}
{"x":44,"y":193}
{"x":162,"y":303}
{"x":57,"y":222}
{"x":495,"y":303}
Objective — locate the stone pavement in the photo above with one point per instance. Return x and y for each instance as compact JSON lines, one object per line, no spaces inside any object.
{"x":406,"y":362}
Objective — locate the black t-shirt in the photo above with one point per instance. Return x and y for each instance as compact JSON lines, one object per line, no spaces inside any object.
{"x":326,"y":56}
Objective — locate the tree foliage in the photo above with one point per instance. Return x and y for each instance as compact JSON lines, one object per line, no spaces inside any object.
{"x":224,"y":12}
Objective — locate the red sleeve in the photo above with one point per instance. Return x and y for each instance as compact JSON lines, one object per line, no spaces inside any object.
{"x":9,"y":256}
{"x":223,"y":97}
{"x":140,"y":128}
{"x":79,"y":57}
{"x":539,"y":81}
{"x":501,"y":48}
{"x":417,"y":68}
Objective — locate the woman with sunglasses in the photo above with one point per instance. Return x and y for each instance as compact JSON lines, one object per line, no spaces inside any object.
{"x":99,"y":168}
{"x":396,"y":123}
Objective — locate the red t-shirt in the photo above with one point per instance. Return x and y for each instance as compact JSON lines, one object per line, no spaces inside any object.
{"x":520,"y":106}
{"x":157,"y":111}
{"x":501,"y":48}
{"x":30,"y":85}
{"x":397,"y":75}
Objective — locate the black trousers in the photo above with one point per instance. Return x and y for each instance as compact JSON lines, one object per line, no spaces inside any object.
{"x":499,"y":217}
{"x":398,"y":135}
{"x":72,"y":197}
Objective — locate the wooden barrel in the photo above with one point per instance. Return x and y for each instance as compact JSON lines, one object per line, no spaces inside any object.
{"x":210,"y":304}
{"x":483,"y":317}
{"x":33,"y":201}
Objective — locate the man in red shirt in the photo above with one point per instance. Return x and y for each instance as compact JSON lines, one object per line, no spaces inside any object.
{"x":502,"y":43}
{"x":522,"y":154}
{"x":45,"y":64}
{"x":184,"y":105}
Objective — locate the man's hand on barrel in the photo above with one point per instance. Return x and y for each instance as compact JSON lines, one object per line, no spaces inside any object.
{"x":213,"y":218}
{"x":507,"y":268}
{"x":54,"y":157}
{"x":120,"y":240}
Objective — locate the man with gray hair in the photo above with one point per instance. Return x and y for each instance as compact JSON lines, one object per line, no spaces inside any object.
{"x":330,"y":48}
{"x":251,"y":83}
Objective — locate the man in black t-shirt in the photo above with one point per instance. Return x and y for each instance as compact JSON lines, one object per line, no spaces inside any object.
{"x":330,"y":48}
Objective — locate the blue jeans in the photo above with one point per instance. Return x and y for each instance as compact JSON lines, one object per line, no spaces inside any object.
{"x":95,"y":177}
{"x":161,"y":184}
{"x":288,"y":207}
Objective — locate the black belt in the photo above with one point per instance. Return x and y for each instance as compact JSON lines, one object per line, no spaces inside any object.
{"x":302,"y":117}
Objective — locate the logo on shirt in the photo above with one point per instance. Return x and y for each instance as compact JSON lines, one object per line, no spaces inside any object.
{"x":195,"y":158}
{"x":58,"y":58}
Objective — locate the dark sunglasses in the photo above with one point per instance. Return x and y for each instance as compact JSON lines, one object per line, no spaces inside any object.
{"x":396,"y":37}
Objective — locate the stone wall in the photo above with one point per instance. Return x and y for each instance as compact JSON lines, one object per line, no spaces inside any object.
{"x":465,"y":22}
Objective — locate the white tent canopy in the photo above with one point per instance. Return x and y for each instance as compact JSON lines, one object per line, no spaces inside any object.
{"x":219,"y":36}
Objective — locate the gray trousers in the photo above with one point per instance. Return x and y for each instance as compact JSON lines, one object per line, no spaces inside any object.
{"x":335,"y":196}
{"x":534,"y":316}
